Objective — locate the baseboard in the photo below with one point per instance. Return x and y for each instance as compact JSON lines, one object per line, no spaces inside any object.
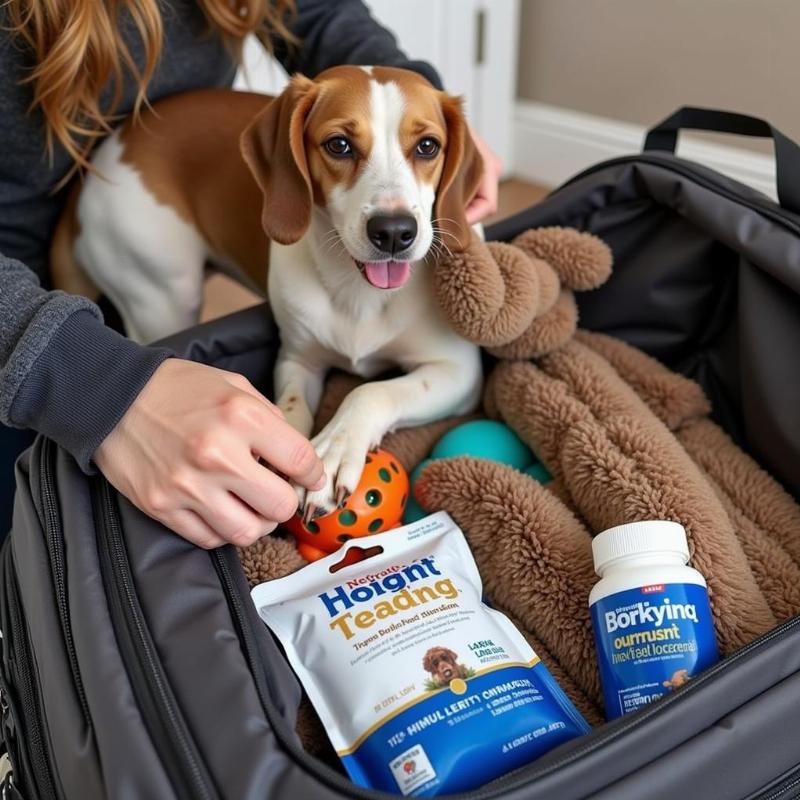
{"x":552,"y":144}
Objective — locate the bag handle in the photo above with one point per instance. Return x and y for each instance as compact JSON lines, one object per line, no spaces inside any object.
{"x":664,"y":136}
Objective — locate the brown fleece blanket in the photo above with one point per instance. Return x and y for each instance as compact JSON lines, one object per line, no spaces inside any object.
{"x":625,"y":440}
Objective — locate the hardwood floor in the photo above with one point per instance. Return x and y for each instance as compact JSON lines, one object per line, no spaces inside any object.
{"x":224,"y":296}
{"x":514,"y":196}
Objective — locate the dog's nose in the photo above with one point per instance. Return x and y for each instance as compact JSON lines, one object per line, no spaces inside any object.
{"x":392,"y":233}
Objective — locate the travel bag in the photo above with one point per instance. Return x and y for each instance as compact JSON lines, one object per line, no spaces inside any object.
{"x":134,"y":665}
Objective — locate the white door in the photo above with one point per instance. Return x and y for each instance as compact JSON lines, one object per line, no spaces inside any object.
{"x":472,"y":43}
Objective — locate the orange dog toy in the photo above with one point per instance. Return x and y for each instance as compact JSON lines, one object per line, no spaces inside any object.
{"x":376,"y":505}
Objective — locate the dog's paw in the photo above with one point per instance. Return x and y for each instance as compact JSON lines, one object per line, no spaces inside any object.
{"x":343,"y":447}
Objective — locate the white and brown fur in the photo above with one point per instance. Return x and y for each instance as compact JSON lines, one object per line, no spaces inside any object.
{"x":173,"y":192}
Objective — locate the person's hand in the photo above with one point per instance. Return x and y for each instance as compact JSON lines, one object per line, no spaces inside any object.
{"x":485,"y":201}
{"x":186,"y":453}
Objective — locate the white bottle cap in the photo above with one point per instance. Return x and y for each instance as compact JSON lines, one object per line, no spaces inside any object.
{"x":639,"y":538}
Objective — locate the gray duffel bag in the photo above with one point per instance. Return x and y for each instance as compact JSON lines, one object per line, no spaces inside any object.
{"x":134,"y":664}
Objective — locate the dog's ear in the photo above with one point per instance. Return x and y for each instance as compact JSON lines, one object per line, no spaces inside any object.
{"x":451,"y":655}
{"x":427,"y":664}
{"x":462,"y":172}
{"x":272,"y":146}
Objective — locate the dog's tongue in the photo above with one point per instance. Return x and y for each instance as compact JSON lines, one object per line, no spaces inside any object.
{"x":387,"y":274}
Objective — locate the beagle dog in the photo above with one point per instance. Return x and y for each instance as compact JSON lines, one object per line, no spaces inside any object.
{"x":333,"y":196}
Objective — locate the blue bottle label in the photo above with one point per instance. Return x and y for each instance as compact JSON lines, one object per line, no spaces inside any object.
{"x":651,"y":640}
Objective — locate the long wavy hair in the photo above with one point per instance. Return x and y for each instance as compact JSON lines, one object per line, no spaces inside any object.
{"x":78,"y":51}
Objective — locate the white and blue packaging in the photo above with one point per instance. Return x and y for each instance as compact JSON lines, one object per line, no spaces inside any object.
{"x":650,"y":612}
{"x":422,"y":688}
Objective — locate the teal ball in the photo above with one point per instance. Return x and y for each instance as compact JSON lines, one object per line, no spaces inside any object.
{"x":485,"y":438}
{"x":539,"y":472}
{"x":414,"y":510}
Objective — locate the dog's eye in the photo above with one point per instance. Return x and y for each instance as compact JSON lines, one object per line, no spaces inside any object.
{"x":339,"y":147}
{"x":427,"y":147}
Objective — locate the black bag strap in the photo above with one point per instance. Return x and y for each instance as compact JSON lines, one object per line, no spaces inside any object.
{"x":664,"y":136}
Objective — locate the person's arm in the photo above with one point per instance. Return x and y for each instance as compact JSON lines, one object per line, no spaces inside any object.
{"x":343,"y":32}
{"x":63,"y":373}
{"x":180,"y":440}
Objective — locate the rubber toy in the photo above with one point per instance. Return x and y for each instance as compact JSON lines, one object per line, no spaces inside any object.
{"x":481,"y":438}
{"x":376,"y":505}
{"x":485,"y":438}
{"x":538,"y":472}
{"x":414,"y":510}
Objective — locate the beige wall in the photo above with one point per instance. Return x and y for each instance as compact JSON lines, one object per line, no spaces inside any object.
{"x":637,"y":60}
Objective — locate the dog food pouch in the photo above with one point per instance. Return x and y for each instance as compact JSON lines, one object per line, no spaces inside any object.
{"x":422,"y":688}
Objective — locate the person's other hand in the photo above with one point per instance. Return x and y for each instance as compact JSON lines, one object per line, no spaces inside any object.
{"x":186,"y":453}
{"x":485,"y":201}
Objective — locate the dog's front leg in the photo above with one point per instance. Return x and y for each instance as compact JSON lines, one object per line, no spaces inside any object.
{"x":430,"y":392}
{"x":298,"y":388}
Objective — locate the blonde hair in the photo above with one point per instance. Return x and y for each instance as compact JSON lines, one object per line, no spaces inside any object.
{"x":79,"y":51}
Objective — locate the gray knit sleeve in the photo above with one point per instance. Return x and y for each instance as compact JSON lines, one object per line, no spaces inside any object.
{"x":29,"y":317}
{"x":62,"y":371}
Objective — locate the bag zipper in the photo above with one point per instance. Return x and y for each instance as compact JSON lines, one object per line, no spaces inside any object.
{"x":54,"y":537}
{"x":783,"y":791}
{"x":28,"y":711}
{"x":157,"y":703}
{"x":792,"y":782}
{"x":247,"y":636}
{"x":625,"y":724}
{"x":766,"y":206}
{"x":514,"y":780}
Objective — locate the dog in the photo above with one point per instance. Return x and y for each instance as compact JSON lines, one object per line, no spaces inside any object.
{"x":678,"y":679}
{"x":442,"y":663}
{"x":333,"y":196}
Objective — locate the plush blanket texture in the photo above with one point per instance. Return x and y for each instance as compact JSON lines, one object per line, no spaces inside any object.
{"x":625,"y":440}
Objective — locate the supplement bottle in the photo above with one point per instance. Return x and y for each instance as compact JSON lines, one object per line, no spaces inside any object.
{"x":650,"y":613}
